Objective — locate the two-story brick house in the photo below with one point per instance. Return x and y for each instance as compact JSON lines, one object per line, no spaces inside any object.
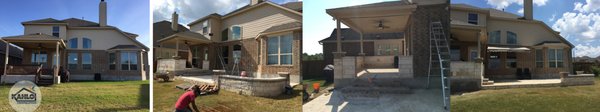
{"x":83,"y":47}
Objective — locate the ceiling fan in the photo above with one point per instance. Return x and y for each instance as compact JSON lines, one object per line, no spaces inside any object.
{"x":380,"y":26}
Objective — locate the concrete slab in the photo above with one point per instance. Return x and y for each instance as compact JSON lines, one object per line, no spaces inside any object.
{"x":202,"y":78}
{"x":422,"y":100}
{"x":505,"y":84}
{"x":382,"y":73}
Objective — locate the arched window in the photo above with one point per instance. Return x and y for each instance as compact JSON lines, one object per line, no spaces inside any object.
{"x":494,"y":37}
{"x":87,"y":43}
{"x":73,"y":43}
{"x":511,"y":37}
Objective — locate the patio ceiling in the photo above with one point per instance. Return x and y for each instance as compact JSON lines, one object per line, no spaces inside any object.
{"x":464,"y":35}
{"x":35,"y":41}
{"x":386,"y":17}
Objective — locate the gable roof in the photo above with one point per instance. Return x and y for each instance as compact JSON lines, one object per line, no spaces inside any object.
{"x":162,"y":29}
{"x":349,"y":34}
{"x":247,"y":8}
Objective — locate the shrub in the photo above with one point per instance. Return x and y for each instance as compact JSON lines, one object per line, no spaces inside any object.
{"x":595,"y":70}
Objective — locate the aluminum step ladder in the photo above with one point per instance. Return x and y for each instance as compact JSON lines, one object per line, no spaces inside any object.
{"x":439,"y":60}
{"x":221,"y":59}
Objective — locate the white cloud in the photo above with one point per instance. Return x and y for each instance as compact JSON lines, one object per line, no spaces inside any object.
{"x":520,"y":11}
{"x":586,"y":50}
{"x":589,"y":6}
{"x":190,"y":10}
{"x":501,"y":4}
{"x":578,"y":25}
{"x":552,"y":18}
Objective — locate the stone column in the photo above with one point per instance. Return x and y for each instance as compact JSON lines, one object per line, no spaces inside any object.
{"x":6,"y":55}
{"x":176,"y":48}
{"x":338,"y":63}
{"x":143,"y":71}
{"x":56,"y":69}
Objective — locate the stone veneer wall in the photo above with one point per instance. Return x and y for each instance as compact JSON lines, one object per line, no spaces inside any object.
{"x":419,"y":33}
{"x":466,"y":76}
{"x":580,"y":79}
{"x":263,"y":87}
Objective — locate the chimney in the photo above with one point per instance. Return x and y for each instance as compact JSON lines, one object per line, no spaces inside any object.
{"x":174,"y":21}
{"x":102,"y":13}
{"x":254,"y":2}
{"x":528,"y":9}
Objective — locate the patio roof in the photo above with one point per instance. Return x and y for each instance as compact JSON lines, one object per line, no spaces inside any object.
{"x":188,"y":37}
{"x":35,"y":41}
{"x":384,"y":17}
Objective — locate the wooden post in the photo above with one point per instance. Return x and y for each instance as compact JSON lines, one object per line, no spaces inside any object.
{"x":177,"y":48}
{"x":142,"y":65}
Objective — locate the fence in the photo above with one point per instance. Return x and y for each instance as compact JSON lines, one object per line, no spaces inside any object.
{"x":313,"y":68}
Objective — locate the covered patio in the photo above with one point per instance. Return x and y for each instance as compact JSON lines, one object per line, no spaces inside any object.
{"x":189,"y":39}
{"x":41,"y":61}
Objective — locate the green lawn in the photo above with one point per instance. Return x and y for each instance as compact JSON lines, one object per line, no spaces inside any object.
{"x":89,"y":96}
{"x":165,"y":96}
{"x":565,"y":99}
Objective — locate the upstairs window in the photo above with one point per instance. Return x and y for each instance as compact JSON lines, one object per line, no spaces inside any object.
{"x":494,"y":37}
{"x":224,"y":35}
{"x":205,"y":27}
{"x":55,"y":31}
{"x":87,"y":43}
{"x":236,"y":32}
{"x":473,"y":19}
{"x":73,"y":43}
{"x":511,"y":38}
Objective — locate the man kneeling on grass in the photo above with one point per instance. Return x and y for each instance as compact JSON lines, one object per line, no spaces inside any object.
{"x":187,"y":98}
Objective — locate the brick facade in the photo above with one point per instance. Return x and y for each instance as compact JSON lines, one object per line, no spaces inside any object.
{"x":418,"y":33}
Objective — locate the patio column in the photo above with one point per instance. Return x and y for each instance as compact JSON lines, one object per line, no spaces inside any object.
{"x":143,"y":71}
{"x":339,"y":37}
{"x":362,"y":53}
{"x":56,"y":68}
{"x":479,"y":45}
{"x":6,"y":55}
{"x":176,"y":48}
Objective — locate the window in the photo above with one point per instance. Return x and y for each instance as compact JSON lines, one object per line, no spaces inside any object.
{"x":205,"y":27}
{"x":73,"y":43}
{"x":112,"y":61}
{"x":224,"y":35}
{"x":55,"y":31}
{"x":236,"y":32}
{"x":237,"y":53}
{"x":473,"y":19}
{"x":454,"y":53}
{"x":86,"y":61}
{"x":279,"y":50}
{"x":494,"y":37}
{"x":511,"y":38}
{"x":87,"y":43}
{"x":39,"y":57}
{"x":555,"y":58}
{"x":494,"y":60}
{"x":72,"y":61}
{"x":225,"y":54}
{"x":511,"y":60}
{"x":128,"y":61}
{"x":474,"y":54}
{"x":387,"y":49}
{"x":539,"y":58}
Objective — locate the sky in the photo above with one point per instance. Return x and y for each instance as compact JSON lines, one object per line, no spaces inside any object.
{"x":191,"y":10}
{"x":128,"y":15}
{"x":577,"y":20}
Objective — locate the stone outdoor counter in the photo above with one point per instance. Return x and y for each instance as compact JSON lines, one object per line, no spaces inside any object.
{"x":579,"y":79}
{"x":263,"y":87}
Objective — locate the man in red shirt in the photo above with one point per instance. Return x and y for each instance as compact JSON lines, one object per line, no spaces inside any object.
{"x":187,"y":98}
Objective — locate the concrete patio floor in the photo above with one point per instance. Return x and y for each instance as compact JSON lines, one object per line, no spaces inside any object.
{"x":421,"y":100}
{"x":208,"y":79}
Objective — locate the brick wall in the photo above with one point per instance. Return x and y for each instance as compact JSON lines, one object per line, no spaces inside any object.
{"x":419,"y":33}
{"x":269,"y":87}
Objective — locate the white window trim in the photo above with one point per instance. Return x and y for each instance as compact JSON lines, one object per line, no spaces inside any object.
{"x":91,"y":60}
{"x":556,"y":60}
{"x":83,"y":43}
{"x":476,"y":20}
{"x":507,"y":38}
{"x":129,"y":60}
{"x":76,"y":41}
{"x":540,"y":60}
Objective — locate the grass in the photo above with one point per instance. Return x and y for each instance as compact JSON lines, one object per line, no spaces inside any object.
{"x":165,"y":96}
{"x":89,"y":96}
{"x":567,"y":99}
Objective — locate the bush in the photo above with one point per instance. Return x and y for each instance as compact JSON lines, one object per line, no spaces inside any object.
{"x":595,"y":70}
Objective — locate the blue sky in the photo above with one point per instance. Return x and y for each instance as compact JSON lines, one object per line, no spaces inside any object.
{"x":128,"y":15}
{"x":317,"y":24}
{"x":577,"y":20}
